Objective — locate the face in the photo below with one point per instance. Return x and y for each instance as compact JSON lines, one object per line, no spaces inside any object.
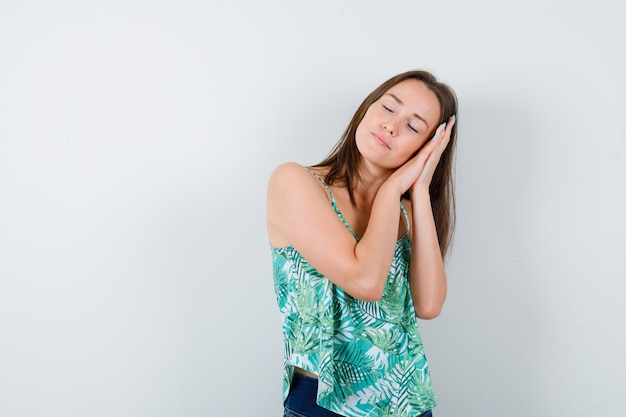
{"x":397,"y":124}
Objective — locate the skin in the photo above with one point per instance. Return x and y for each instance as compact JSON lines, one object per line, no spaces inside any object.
{"x":299,"y":212}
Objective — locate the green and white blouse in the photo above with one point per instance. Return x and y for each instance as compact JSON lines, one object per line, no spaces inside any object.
{"x":368,"y":355}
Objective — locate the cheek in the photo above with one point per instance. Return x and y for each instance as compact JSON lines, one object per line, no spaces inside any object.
{"x":362,"y":126}
{"x":412,"y":150}
{"x":358,"y":136}
{"x":372,"y":117}
{"x":416,"y":146}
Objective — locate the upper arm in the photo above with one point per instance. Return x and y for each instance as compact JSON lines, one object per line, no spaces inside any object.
{"x":299,"y":213}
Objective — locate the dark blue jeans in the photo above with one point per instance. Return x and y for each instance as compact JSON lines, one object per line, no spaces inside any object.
{"x":301,"y":400}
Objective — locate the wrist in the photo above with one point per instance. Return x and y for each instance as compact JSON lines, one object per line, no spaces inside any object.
{"x":420,"y":191}
{"x":390,"y":189}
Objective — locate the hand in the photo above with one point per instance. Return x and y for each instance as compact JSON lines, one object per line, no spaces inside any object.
{"x":437,"y":146}
{"x":418,"y":171}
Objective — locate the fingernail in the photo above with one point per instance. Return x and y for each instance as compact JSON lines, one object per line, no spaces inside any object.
{"x":443,"y":126}
{"x":453,"y":119}
{"x":434,"y":137}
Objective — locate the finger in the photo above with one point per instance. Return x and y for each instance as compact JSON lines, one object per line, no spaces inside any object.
{"x":440,"y":141}
{"x":447,"y":132}
{"x":439,"y":132}
{"x":450,"y":124}
{"x":441,"y":138}
{"x":435,"y":146}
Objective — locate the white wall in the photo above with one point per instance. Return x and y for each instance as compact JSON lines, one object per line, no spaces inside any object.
{"x":136,"y":139}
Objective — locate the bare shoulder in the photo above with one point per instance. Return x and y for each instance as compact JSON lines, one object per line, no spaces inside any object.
{"x":287,"y":172}
{"x":294,"y":197}
{"x":292,"y":178}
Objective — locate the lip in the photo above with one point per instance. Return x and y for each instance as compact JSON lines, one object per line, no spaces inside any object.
{"x":381,"y":141}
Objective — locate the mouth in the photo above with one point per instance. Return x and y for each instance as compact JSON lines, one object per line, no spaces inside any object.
{"x":380,"y":141}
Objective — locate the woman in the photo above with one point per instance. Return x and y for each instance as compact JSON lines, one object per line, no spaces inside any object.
{"x":358,"y":243}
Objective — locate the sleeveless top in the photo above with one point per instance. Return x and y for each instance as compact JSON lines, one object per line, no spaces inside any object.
{"x":368,"y":356}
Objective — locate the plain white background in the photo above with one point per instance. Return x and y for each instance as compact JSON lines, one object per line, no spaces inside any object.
{"x":136,"y":139}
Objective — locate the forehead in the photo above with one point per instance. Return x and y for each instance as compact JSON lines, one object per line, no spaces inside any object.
{"x":417,"y":98}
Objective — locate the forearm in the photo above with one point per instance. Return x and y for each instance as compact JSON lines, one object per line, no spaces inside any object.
{"x":375,"y":250}
{"x":427,"y":276}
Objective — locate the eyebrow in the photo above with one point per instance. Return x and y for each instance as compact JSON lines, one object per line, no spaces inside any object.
{"x":414,"y":114}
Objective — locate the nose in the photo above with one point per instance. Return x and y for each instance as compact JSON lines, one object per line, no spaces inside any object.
{"x":390,"y":127}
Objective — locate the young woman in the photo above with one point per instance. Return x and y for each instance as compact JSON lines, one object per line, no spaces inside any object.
{"x":358,"y":243}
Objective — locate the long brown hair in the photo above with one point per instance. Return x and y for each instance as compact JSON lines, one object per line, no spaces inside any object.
{"x":343,"y":160}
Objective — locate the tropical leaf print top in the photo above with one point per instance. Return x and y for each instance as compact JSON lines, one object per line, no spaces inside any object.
{"x":368,"y":355}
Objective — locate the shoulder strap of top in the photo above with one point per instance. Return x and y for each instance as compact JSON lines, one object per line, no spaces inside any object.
{"x":334,"y":204}
{"x":406,"y":216}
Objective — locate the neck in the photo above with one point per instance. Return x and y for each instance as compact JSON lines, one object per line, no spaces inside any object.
{"x":369,"y":181}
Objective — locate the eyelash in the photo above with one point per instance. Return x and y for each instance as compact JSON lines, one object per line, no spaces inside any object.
{"x":391,"y":111}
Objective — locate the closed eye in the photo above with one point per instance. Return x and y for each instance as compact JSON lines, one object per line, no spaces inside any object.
{"x":412,"y":128}
{"x":387,"y":108}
